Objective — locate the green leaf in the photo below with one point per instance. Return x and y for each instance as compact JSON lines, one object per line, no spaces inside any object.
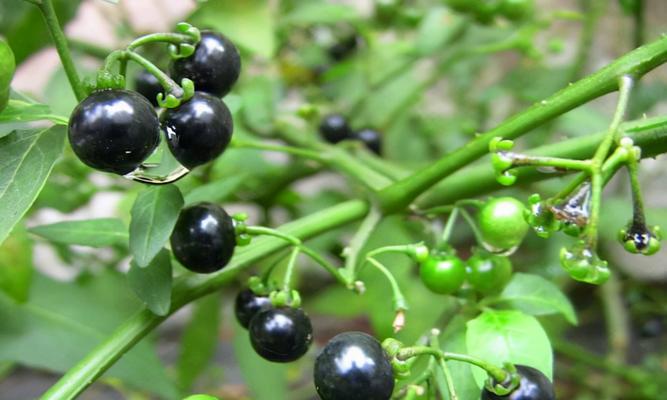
{"x":259,"y":103}
{"x":265,"y":380}
{"x":16,"y":266}
{"x":434,"y":30}
{"x":152,"y":284}
{"x":199,"y":340}
{"x":316,"y":12}
{"x":154,"y":215}
{"x":249,"y":23}
{"x":100,"y":232}
{"x":217,"y":191}
{"x":62,"y":322}
{"x":23,"y":111}
{"x":453,"y":339}
{"x":535,"y":295}
{"x":508,"y":336}
{"x":26,"y":160}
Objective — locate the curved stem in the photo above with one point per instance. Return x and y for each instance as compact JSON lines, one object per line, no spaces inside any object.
{"x":166,"y":37}
{"x":398,"y":300}
{"x":447,"y":232}
{"x":60,"y":41}
{"x":434,"y":342}
{"x":291,"y":262}
{"x":357,"y":243}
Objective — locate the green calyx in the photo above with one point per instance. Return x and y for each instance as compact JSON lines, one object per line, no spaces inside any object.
{"x":506,"y":387}
{"x":540,"y":217}
{"x":639,"y":239}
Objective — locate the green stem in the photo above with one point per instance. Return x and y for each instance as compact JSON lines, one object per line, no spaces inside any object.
{"x":89,"y":48}
{"x":495,"y":372}
{"x":60,"y":41}
{"x":398,"y":300}
{"x":616,"y":316}
{"x":435,"y":343}
{"x":289,"y":271}
{"x":122,"y":56}
{"x":447,"y":232}
{"x":636,"y":63}
{"x":519,"y":160}
{"x":166,"y":37}
{"x":649,"y":134}
{"x":357,"y":243}
{"x":597,"y":182}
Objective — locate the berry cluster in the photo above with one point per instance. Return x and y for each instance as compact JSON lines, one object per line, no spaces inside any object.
{"x":116,"y":130}
{"x":334,"y":128}
{"x":501,"y":228}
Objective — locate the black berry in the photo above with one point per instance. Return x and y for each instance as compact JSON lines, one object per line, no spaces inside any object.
{"x":198,"y":130}
{"x":371,"y":138}
{"x":214,"y":67}
{"x":334,"y":128}
{"x":281,"y":334}
{"x":248,"y":304}
{"x":204,"y":238}
{"x":534,"y":385}
{"x":353,"y":366}
{"x":114,"y":130}
{"x":148,"y":86}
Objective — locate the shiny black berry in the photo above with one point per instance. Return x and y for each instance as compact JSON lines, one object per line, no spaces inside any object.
{"x":214,"y":67}
{"x":114,"y":130}
{"x":353,"y":366}
{"x":198,"y":130}
{"x":204,"y":238}
{"x":371,"y":138}
{"x":334,"y":128}
{"x":248,"y":304}
{"x":534,"y":385}
{"x":148,"y":86}
{"x":281,"y":334}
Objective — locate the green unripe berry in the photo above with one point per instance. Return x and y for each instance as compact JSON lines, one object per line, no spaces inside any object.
{"x":501,"y":223}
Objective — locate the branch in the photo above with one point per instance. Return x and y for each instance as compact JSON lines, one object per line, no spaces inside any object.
{"x":636,"y":63}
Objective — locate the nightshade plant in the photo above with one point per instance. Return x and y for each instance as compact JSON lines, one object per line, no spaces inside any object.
{"x":441,"y":243}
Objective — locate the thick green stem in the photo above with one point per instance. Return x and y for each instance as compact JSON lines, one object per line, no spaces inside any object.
{"x":60,"y":41}
{"x":649,"y":134}
{"x":636,"y":63}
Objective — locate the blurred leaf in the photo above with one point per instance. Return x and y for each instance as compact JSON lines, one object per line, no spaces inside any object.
{"x":217,"y":191}
{"x":249,"y":23}
{"x":319,"y":12}
{"x":152,"y":283}
{"x":508,"y":336}
{"x":434,"y":30}
{"x":582,"y":121}
{"x":260,"y":96}
{"x":199,"y":340}
{"x":154,"y":215}
{"x":338,"y":302}
{"x":24,"y":26}
{"x":645,"y":97}
{"x":26,"y":160}
{"x":535,"y":295}
{"x":16,"y":267}
{"x":265,"y":380}
{"x":62,"y":322}
{"x":100,"y":232}
{"x":22,"y":111}
{"x":58,"y":92}
{"x":536,"y":83}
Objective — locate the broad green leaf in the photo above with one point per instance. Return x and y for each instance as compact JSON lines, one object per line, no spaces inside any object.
{"x":62,"y":322}
{"x":16,"y":266}
{"x":217,"y":191}
{"x":508,"y":336}
{"x":152,"y":283}
{"x":259,"y":103}
{"x":535,"y":295}
{"x":265,"y":380}
{"x":199,"y":340}
{"x":26,"y":160}
{"x":154,"y":215}
{"x":100,"y":232}
{"x":249,"y":23}
{"x":316,"y":12}
{"x":58,"y":93}
{"x":22,"y":111}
